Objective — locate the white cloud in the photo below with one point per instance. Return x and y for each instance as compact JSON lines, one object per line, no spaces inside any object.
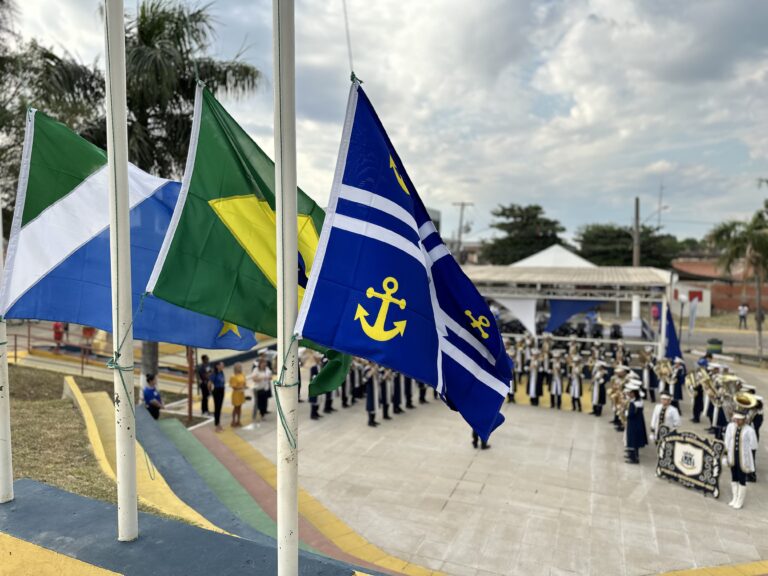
{"x":578,"y":105}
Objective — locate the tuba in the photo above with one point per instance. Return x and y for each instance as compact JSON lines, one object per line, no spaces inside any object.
{"x":706,"y":383}
{"x":746,"y":403}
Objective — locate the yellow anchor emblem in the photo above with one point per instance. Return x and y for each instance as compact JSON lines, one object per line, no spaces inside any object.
{"x":397,"y":175}
{"x":480,"y":323}
{"x":377,"y":331}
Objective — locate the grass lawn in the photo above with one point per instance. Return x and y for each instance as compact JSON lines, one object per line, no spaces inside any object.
{"x":50,"y":443}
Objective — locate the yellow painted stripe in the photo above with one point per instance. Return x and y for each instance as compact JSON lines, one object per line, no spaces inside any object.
{"x":22,"y":557}
{"x":90,"y":426}
{"x":749,"y":569}
{"x":330,"y":525}
{"x":98,"y":413}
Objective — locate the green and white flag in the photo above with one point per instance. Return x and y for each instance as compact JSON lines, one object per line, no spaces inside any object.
{"x":219,"y":255}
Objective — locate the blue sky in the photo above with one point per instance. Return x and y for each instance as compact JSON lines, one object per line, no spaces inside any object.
{"x":577,"y":105}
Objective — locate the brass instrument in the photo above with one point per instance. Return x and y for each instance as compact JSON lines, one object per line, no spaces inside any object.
{"x":690,"y":384}
{"x":663,"y":369}
{"x":710,"y":389}
{"x":746,"y":403}
{"x":730,"y":386}
{"x":622,"y":405}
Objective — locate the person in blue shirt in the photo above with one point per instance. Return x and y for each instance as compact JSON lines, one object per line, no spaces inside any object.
{"x":152,"y":399}
{"x":218,"y":386}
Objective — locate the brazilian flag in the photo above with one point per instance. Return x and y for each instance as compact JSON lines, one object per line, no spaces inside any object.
{"x":219,"y":255}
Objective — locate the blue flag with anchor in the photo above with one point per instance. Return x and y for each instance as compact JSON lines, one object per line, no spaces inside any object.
{"x":385,"y":287}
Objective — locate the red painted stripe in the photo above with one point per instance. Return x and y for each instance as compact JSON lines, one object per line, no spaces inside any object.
{"x":266,"y":497}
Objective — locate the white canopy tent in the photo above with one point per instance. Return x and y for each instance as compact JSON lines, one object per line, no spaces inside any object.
{"x":580,"y":282}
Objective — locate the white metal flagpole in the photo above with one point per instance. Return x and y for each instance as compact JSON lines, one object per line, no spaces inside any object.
{"x":6,"y":460}
{"x":287,"y":289}
{"x":120,"y":259}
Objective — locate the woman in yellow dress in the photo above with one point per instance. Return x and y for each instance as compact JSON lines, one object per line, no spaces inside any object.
{"x":237,"y":383}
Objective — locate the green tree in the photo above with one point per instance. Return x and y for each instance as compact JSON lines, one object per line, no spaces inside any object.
{"x":611,"y":245}
{"x":167,"y":46}
{"x":33,"y":75}
{"x":748,"y":242}
{"x":526,"y":231}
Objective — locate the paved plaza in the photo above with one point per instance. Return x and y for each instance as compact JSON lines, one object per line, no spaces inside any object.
{"x":552,"y":496}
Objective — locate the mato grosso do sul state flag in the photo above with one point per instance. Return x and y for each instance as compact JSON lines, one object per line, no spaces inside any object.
{"x":219,"y":255}
{"x":58,"y":252}
{"x":385,"y":287}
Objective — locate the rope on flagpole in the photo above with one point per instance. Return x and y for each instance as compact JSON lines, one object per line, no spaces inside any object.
{"x":352,"y":76}
{"x":114,"y":364}
{"x":280,"y":383}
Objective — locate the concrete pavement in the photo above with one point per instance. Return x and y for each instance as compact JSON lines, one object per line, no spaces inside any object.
{"x":552,"y":496}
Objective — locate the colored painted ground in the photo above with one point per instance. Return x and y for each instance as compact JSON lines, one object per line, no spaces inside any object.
{"x":262,"y":493}
{"x":20,"y":557}
{"x":46,"y":529}
{"x":750,"y":569}
{"x":322,"y":519}
{"x":217,"y":477}
{"x":98,"y":413}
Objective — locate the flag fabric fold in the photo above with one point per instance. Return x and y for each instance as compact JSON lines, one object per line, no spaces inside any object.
{"x":57,"y":266}
{"x":673,"y":343}
{"x":219,"y":255}
{"x":385,"y":287}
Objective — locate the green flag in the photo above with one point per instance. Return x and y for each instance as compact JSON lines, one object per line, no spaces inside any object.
{"x":219,"y":254}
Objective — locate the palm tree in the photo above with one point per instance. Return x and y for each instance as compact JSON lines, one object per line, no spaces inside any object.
{"x":747,"y":242}
{"x":166,"y":53}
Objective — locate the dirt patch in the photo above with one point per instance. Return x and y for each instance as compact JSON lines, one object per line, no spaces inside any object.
{"x":33,"y":384}
{"x":50,"y":441}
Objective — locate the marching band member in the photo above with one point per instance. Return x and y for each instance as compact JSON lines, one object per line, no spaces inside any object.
{"x":740,"y":441}
{"x":709,"y":403}
{"x":757,"y":422}
{"x":527,"y":350}
{"x":535,"y":372}
{"x":617,"y":382}
{"x":545,"y":359}
{"x":518,"y":363}
{"x":370,"y":378}
{"x":423,"y":393}
{"x":635,"y":436}
{"x":556,"y":380}
{"x":573,"y":349}
{"x":385,"y":375}
{"x":622,"y":356}
{"x":650,"y":380}
{"x":679,"y":372}
{"x":664,"y":414}
{"x":511,"y":350}
{"x":396,"y":383}
{"x":408,"y":387}
{"x":314,"y":407}
{"x":598,"y":388}
{"x":575,"y":383}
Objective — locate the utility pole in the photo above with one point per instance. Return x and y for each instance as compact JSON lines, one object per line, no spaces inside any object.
{"x":461,"y":206}
{"x":636,"y":257}
{"x":636,"y":235}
